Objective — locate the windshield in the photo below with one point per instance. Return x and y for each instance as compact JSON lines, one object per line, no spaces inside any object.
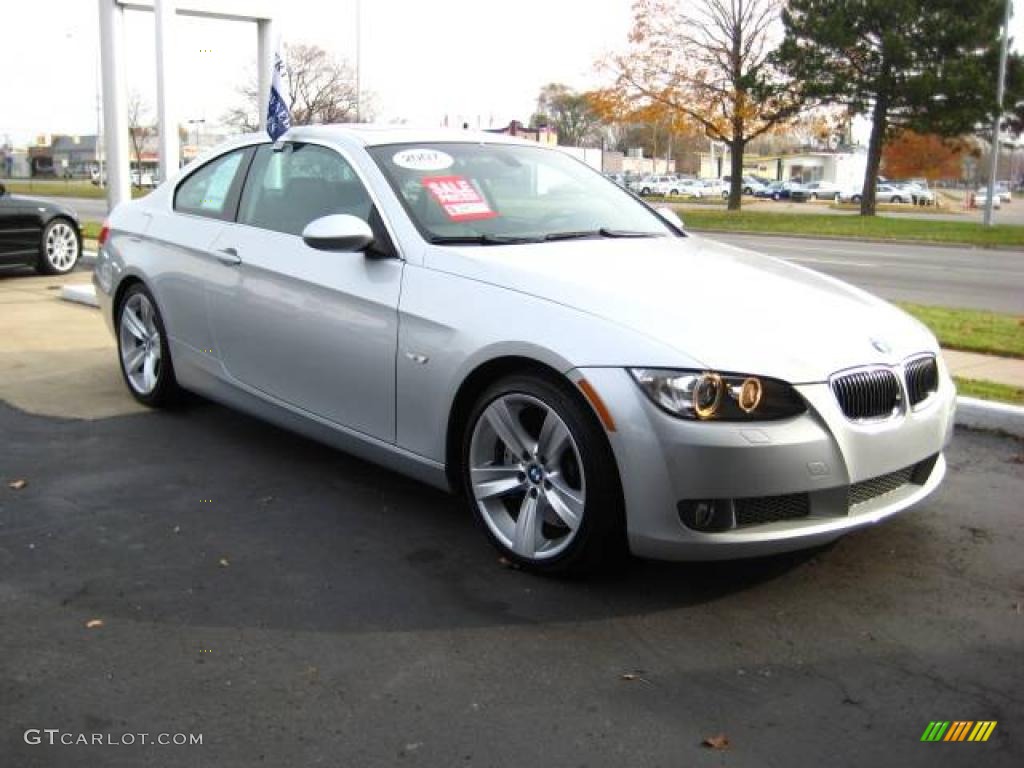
{"x":506,"y":193}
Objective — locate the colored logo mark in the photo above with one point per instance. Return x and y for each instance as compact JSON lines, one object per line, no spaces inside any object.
{"x":958,"y":730}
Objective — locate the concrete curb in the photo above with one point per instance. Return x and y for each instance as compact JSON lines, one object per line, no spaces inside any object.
{"x":80,"y":294}
{"x":985,"y":414}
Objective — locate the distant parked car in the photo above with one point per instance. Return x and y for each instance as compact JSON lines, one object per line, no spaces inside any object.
{"x":815,"y":190}
{"x":40,"y":233}
{"x":917,"y":189}
{"x":981,"y":199}
{"x":884,"y":193}
{"x":778,"y":190}
{"x":710,"y":188}
{"x":1003,"y":190}
{"x":751,"y":184}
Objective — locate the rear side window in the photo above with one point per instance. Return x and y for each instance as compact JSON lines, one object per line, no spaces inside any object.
{"x":213,"y":189}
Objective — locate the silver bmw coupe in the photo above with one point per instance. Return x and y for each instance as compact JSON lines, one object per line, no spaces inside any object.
{"x":495,"y":318}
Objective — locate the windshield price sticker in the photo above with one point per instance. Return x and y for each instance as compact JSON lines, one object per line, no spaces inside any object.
{"x":459,"y":198}
{"x":423,"y":159}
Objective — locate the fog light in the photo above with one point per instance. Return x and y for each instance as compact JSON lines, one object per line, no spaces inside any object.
{"x":706,"y":514}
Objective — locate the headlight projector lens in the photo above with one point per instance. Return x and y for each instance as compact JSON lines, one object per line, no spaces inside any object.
{"x":707,"y":395}
{"x":749,"y":395}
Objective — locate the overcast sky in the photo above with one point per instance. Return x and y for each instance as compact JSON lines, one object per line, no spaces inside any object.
{"x":470,"y":59}
{"x":421,"y":60}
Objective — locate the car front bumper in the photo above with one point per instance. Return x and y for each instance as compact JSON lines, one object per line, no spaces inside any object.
{"x":814,"y":477}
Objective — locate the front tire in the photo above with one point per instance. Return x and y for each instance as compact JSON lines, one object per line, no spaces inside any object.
{"x":59,"y":248}
{"x":143,"y":350}
{"x":540,"y":477}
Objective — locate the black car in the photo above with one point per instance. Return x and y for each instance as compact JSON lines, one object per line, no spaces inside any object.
{"x":777,"y":190}
{"x":41,"y":233}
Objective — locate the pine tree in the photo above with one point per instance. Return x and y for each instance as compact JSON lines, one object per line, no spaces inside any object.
{"x":927,"y":65}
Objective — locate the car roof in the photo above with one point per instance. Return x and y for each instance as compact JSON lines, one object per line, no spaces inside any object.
{"x":371,"y":134}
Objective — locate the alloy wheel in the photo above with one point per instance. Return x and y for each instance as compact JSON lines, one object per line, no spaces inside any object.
{"x":61,"y":247}
{"x":527,"y":476}
{"x":140,"y":344}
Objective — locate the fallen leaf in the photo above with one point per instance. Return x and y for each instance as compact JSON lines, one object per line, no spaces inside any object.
{"x":94,"y":623}
{"x":719,"y":741}
{"x":506,"y":563}
{"x":223,"y":562}
{"x":18,"y":484}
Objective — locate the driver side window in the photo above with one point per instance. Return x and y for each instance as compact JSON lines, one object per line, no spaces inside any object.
{"x":287,"y":189}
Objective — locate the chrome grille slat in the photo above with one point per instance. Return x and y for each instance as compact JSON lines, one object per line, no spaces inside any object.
{"x":922,"y":379}
{"x":867,"y":395}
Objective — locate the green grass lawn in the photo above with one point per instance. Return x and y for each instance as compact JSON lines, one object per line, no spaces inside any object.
{"x":62,"y":188}
{"x":989,"y":390}
{"x":972,"y":330}
{"x":91,"y":229}
{"x":856,"y":227}
{"x":899,"y":208}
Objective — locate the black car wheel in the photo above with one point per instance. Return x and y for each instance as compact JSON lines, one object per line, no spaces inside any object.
{"x":540,"y":477}
{"x":59,"y":248}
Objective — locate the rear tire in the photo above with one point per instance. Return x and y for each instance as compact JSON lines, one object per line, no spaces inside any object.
{"x":541,"y":479}
{"x":143,"y":350}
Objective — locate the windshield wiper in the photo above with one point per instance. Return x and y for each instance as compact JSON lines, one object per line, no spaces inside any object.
{"x":481,"y":239}
{"x":602,"y":232}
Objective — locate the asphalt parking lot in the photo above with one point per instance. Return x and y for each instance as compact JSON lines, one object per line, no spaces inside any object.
{"x":298,"y":607}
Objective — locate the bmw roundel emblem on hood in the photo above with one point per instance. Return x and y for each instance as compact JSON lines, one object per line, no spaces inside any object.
{"x":881,"y":346}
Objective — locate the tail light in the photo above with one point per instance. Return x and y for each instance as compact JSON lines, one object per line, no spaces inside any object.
{"x":104,"y":233}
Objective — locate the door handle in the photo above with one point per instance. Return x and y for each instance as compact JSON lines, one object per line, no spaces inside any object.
{"x":228,"y":256}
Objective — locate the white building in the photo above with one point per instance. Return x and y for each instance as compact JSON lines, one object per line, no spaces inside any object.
{"x":846,"y":167}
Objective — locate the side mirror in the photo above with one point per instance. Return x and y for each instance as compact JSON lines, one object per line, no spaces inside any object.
{"x":338,"y":232}
{"x":671,"y":217}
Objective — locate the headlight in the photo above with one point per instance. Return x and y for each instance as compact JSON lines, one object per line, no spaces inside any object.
{"x":710,"y":396}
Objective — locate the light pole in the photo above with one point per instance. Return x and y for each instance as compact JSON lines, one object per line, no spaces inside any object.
{"x":359,"y":36}
{"x":1000,"y":87}
{"x":195,"y":131}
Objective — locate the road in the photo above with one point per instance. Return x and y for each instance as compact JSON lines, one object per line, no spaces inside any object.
{"x":298,"y":607}
{"x":973,"y":278}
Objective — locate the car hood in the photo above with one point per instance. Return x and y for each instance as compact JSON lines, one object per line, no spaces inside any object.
{"x":728,"y":308}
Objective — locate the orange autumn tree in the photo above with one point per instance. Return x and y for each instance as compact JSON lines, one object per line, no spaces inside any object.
{"x":619,"y":113}
{"x":709,"y":62}
{"x":910,"y":154}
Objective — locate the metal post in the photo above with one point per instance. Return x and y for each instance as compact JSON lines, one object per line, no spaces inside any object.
{"x":1000,"y":87}
{"x":359,"y":62}
{"x":265,"y":65}
{"x":165,"y":96}
{"x":115,"y":102}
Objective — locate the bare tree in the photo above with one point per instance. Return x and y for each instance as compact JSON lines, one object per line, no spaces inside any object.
{"x":322,"y":90}
{"x":710,"y":62}
{"x":140,"y":128}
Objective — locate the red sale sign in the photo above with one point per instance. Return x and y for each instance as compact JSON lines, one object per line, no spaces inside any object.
{"x":458,"y":197}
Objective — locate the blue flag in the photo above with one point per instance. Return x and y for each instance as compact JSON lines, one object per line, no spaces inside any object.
{"x":279,"y":119}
